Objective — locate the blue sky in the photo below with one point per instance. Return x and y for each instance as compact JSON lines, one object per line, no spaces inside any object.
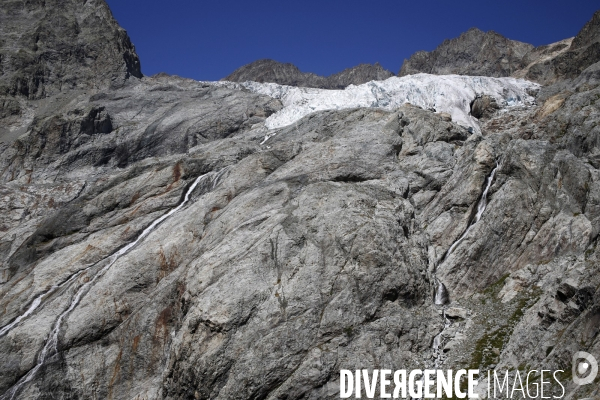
{"x":207,"y":40}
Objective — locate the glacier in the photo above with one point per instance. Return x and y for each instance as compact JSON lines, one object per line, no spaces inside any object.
{"x":445,"y":93}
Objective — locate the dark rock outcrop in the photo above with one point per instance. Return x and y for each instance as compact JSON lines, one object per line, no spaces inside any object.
{"x":589,"y":34}
{"x":483,"y":106}
{"x":267,"y":70}
{"x":52,"y":45}
{"x":288,"y":74}
{"x":362,"y":73}
{"x":533,"y":70}
{"x":473,"y":53}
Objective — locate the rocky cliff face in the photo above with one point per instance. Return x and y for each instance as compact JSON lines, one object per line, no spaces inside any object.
{"x":472,"y":53}
{"x":288,"y":74}
{"x":164,"y":239}
{"x":362,"y":73}
{"x":51,"y":46}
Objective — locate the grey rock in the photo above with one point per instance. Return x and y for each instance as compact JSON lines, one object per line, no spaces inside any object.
{"x":589,"y":34}
{"x":267,"y":70}
{"x":318,"y":250}
{"x":52,"y":46}
{"x":288,"y":74}
{"x":473,"y":53}
{"x":534,"y":61}
{"x":490,"y":54}
{"x":483,"y":106}
{"x":569,"y":62}
{"x":446,"y":117}
{"x":357,"y":75}
{"x":160,"y":115}
{"x":9,"y":107}
{"x":456,"y":312}
{"x":282,"y":241}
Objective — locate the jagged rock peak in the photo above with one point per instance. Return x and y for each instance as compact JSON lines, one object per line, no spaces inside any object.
{"x":360,"y":74}
{"x":49,"y":46}
{"x":566,"y":59}
{"x":473,"y":53}
{"x":589,"y":34}
{"x":267,"y":70}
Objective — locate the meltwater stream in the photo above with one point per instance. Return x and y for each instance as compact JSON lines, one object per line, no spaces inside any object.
{"x":442,"y":296}
{"x":50,"y":347}
{"x":441,"y":293}
{"x":480,"y":209}
{"x":39,"y":299}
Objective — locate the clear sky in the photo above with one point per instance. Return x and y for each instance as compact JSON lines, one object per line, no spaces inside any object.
{"x":207,"y":40}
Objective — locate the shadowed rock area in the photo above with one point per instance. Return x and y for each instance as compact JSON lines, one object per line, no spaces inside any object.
{"x":158,"y":241}
{"x":289,"y":74}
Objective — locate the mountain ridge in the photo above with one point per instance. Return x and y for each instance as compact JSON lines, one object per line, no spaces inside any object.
{"x":472,"y":53}
{"x":267,"y":70}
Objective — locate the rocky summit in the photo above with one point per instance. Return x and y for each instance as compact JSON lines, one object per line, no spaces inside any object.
{"x":288,"y":74}
{"x":164,"y":238}
{"x":491,"y":54}
{"x":473,"y":53}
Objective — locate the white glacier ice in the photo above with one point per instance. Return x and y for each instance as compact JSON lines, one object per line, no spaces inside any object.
{"x":445,"y":93}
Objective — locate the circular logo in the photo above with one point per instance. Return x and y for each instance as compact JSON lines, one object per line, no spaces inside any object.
{"x":585,"y":368}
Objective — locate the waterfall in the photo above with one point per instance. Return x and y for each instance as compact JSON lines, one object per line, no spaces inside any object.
{"x":437,"y":341}
{"x":39,"y":301}
{"x":481,"y":206}
{"x":441,"y":294}
{"x":442,"y":297}
{"x":51,"y":346}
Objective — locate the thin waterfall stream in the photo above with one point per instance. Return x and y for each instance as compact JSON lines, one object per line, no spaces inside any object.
{"x":51,"y":345}
{"x":442,"y":296}
{"x":480,"y":210}
{"x":441,"y":293}
{"x":38,"y":301}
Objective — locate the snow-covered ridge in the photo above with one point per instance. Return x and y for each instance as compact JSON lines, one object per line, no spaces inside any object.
{"x":444,"y":93}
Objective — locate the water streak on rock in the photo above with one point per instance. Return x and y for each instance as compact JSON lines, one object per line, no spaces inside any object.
{"x":51,"y":346}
